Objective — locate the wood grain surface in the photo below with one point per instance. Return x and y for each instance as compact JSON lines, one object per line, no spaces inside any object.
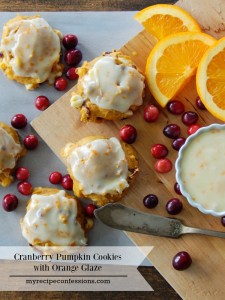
{"x":51,"y":124}
{"x":79,"y":5}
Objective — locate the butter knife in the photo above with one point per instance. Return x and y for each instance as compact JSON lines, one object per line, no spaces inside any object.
{"x":121,"y":217}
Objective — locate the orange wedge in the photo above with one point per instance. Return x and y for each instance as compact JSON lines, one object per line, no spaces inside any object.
{"x":172,"y":63}
{"x":210,"y":79}
{"x":162,"y":20}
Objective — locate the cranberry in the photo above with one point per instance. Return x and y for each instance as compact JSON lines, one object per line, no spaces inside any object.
{"x":189,"y":118}
{"x":73,"y":57}
{"x":67,"y":182}
{"x":55,"y":177}
{"x":22,"y":173}
{"x":25,"y":187}
{"x":71,"y":74}
{"x":19,"y":121}
{"x":1,"y":55}
{"x":42,"y":102}
{"x":60,"y":84}
{"x":193,"y":128}
{"x":223,"y":220}
{"x":89,"y":209}
{"x":171,"y":131}
{"x":177,"y":188}
{"x":199,"y":104}
{"x":10,"y":202}
{"x":174,"y":206}
{"x":182,"y":261}
{"x":178,"y":143}
{"x":150,"y":201}
{"x":159,"y":151}
{"x":151,"y":113}
{"x":128,"y":134}
{"x":175,"y":107}
{"x":31,"y":142}
{"x":163,"y":165}
{"x":70,"y":41}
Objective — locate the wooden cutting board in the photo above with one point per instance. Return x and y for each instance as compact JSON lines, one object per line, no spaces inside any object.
{"x":60,"y":124}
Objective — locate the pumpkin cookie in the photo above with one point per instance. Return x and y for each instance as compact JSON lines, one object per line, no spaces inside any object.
{"x":30,"y":51}
{"x":54,"y":218}
{"x":110,"y":87}
{"x":10,"y":151}
{"x":101,"y":168}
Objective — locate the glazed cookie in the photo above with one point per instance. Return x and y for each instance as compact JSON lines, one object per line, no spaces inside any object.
{"x":30,"y":51}
{"x":101,"y":168}
{"x":110,"y":87}
{"x":54,"y":218}
{"x":10,"y":151}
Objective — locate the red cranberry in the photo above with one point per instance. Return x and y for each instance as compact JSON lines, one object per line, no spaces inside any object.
{"x":189,"y":118}
{"x":71,"y":74}
{"x":1,"y":55}
{"x":25,"y":187}
{"x":128,"y":134}
{"x":151,"y":113}
{"x":67,"y":182}
{"x":89,"y":209}
{"x":22,"y":173}
{"x":163,"y":165}
{"x":31,"y":142}
{"x":181,"y":261}
{"x":42,"y":102}
{"x":10,"y":202}
{"x":60,"y":84}
{"x":150,"y":201}
{"x":171,"y":131}
{"x":174,"y":206}
{"x":19,"y":121}
{"x":55,"y":177}
{"x":175,"y":107}
{"x":70,"y":41}
{"x":159,"y":151}
{"x":73,"y":57}
{"x":193,"y":128}
{"x":178,"y":143}
{"x":199,"y":104}
{"x":177,"y":188}
{"x":223,"y":220}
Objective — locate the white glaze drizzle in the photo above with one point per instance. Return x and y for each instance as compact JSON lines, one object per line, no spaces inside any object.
{"x":9,"y":149}
{"x":100,"y":166}
{"x":31,"y":48}
{"x":111,"y":86}
{"x":53,"y":218}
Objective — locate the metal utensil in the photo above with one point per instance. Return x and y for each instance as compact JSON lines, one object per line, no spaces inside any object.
{"x":121,"y":217}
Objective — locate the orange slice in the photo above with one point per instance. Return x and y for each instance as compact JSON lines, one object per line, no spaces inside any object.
{"x":165,"y":19}
{"x":210,"y":79}
{"x":172,"y":63}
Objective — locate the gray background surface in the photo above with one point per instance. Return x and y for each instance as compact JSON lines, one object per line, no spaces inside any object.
{"x":97,"y":32}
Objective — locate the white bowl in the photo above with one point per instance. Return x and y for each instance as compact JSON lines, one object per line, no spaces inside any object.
{"x":179,"y":171}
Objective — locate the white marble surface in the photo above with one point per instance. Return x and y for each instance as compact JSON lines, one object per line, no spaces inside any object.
{"x":97,"y":32}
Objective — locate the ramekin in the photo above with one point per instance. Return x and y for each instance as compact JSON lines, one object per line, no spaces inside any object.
{"x":179,"y":175}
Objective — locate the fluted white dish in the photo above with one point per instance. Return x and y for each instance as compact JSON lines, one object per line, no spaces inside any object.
{"x":179,"y":179}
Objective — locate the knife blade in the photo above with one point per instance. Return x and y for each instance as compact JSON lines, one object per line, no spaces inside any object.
{"x":121,"y":217}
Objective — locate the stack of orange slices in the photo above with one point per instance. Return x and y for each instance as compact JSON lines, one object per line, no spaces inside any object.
{"x":175,"y":58}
